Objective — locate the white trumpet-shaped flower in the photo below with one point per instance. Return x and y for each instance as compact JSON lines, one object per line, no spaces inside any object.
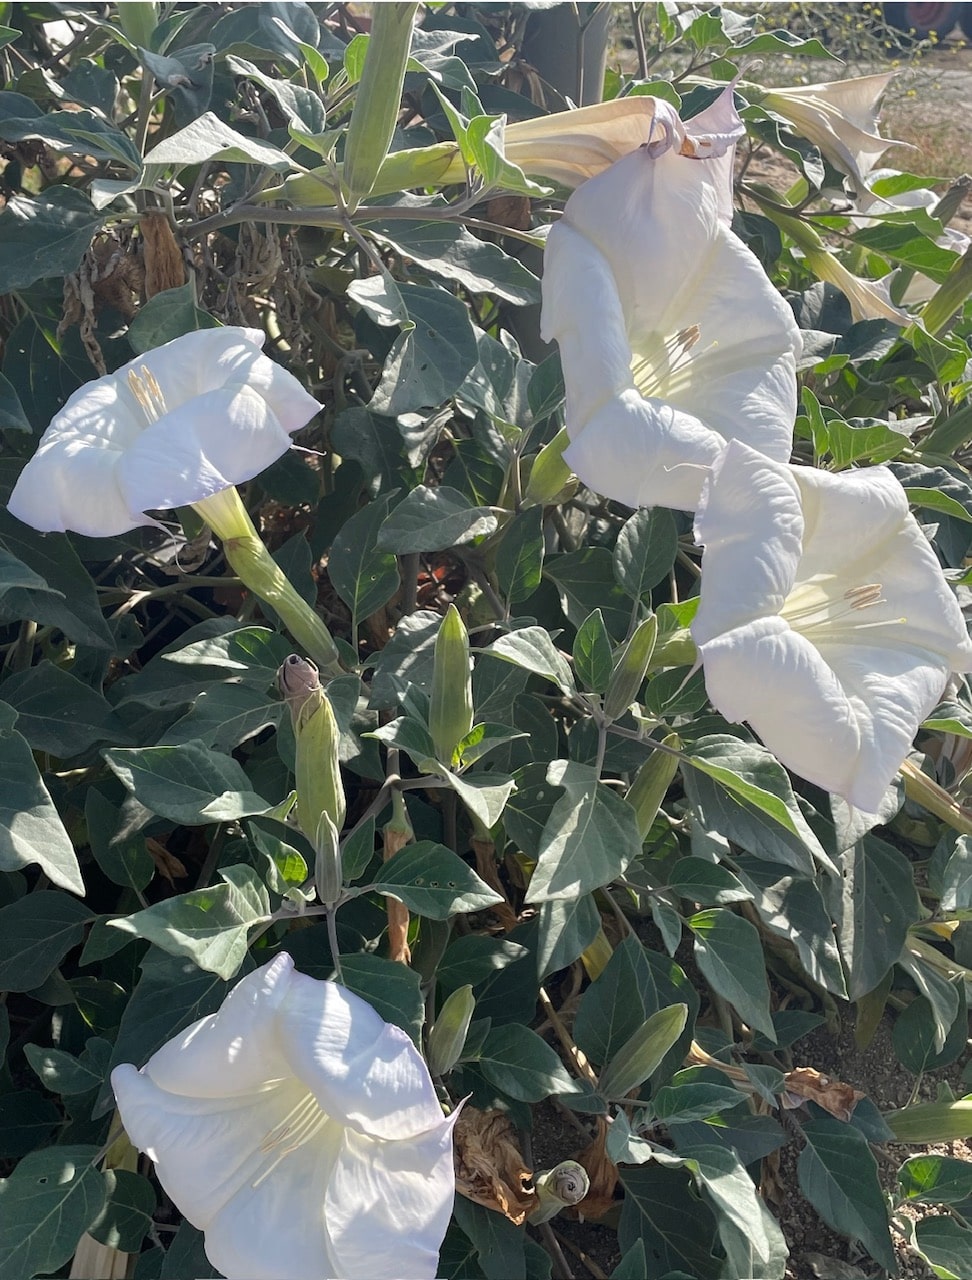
{"x":672,"y":338}
{"x":840,"y":117}
{"x":174,"y":426}
{"x":825,"y":620}
{"x":300,"y":1132}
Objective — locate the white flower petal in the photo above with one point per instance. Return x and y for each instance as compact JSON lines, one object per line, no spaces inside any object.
{"x":825,"y":620}
{"x":746,"y":576}
{"x":206,"y":1150}
{"x":770,"y":676}
{"x":218,"y":439}
{"x":233,"y":1051}
{"x":388,"y":1208}
{"x":641,"y":272}
{"x":362,"y":1069}
{"x":177,"y":424}
{"x":277,"y":1229}
{"x":66,"y":486}
{"x":644,"y":453}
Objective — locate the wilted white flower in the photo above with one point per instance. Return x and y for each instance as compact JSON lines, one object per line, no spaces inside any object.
{"x":300,"y":1132}
{"x":174,"y":426}
{"x":825,"y":620}
{"x":840,"y":117}
{"x":672,"y":338}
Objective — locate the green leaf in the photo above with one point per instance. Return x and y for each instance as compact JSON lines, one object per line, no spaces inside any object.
{"x":519,"y":556}
{"x":838,"y":1175}
{"x":677,"y":1230}
{"x":126,"y":1218}
{"x":593,"y":655}
{"x":589,"y":838}
{"x":302,"y":107}
{"x":499,"y":1244}
{"x":916,"y":1037}
{"x":872,"y":906}
{"x":567,"y":927}
{"x":223,"y":716}
{"x":793,"y":908}
{"x":393,"y":990}
{"x":683,"y":1103}
{"x":749,"y":1232}
{"x":755,"y":776}
{"x":59,"y":714}
{"x":127,"y":861}
{"x":31,"y":829}
{"x":45,"y":235}
{"x":429,"y":360}
{"x":46,"y":1205}
{"x":532,"y":649}
{"x":168,"y":315}
{"x":432,"y":881}
{"x":935,"y":1179}
{"x":12,"y":416}
{"x":27,"y":1121}
{"x":946,"y":1244}
{"x":707,"y":883}
{"x":433,"y":519}
{"x":730,"y":955}
{"x":645,"y":550}
{"x":209,"y":138}
{"x":79,"y":133}
{"x":935,"y":500}
{"x":517,"y":1062}
{"x":187,"y":784}
{"x":209,"y":926}
{"x":484,"y":794}
{"x":63,"y":1073}
{"x":69,"y":600}
{"x":364,"y":577}
{"x":585,"y":581}
{"x":456,"y":254}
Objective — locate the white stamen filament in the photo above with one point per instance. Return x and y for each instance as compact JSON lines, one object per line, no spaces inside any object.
{"x":811,"y":608}
{"x":665,"y":367}
{"x":299,"y":1125}
{"x":147,"y":392}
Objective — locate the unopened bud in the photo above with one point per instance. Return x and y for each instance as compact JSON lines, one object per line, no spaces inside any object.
{"x":651,"y":783}
{"x":328,"y":869}
{"x":642,"y":1053}
{"x":379,"y":97}
{"x":317,"y":768}
{"x":451,"y":705}
{"x":629,"y":669}
{"x":549,"y":475}
{"x":448,"y":1036}
{"x":559,"y":1188}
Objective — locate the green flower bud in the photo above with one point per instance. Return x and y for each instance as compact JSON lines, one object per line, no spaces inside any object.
{"x":328,"y":869}
{"x":549,"y":475}
{"x":448,"y":1035}
{"x":379,"y":97}
{"x":318,"y":772}
{"x":559,"y":1188}
{"x":451,"y":706}
{"x":629,"y":669}
{"x":651,"y":782}
{"x":641,"y":1053}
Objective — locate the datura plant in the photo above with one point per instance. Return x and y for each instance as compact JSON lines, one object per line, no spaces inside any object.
{"x":484,"y":707}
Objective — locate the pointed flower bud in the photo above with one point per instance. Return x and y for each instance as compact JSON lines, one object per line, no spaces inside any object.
{"x":451,"y":707}
{"x":630,"y":668}
{"x":448,"y":1035}
{"x":317,"y":769}
{"x":378,"y":102}
{"x":328,"y":868}
{"x":642,"y":1053}
{"x":651,"y":782}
